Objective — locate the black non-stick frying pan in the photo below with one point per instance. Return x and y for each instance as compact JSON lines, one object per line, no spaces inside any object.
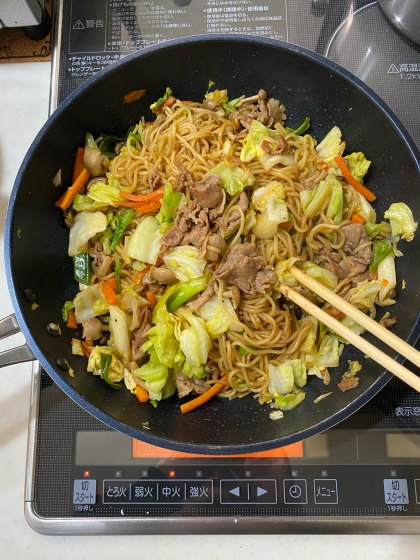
{"x":308,"y":85}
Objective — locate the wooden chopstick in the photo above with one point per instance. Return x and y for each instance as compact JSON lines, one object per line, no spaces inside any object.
{"x":357,"y":341}
{"x":361,"y":318}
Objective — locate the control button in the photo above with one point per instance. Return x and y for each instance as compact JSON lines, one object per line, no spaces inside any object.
{"x":325,"y":491}
{"x":199,"y":492}
{"x":234,"y":491}
{"x":84,"y":491}
{"x":263,"y":491}
{"x":116,"y":491}
{"x":295,"y":491}
{"x":171,"y":491}
{"x":396,"y":491}
{"x":144,"y":491}
{"x":417,"y":488}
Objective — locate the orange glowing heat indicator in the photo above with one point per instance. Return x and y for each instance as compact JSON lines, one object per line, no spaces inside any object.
{"x":142,"y":450}
{"x":172,"y":474}
{"x":86,"y":473}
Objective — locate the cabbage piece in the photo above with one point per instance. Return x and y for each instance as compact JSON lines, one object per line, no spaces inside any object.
{"x":312,"y":200}
{"x":320,"y":372}
{"x":364,"y":294}
{"x":329,"y":352}
{"x":234,"y":179}
{"x":387,"y":278}
{"x":194,"y":341}
{"x":299,"y":371}
{"x":287,"y":402}
{"x":308,"y":346}
{"x":269,"y":200}
{"x":282,"y":380}
{"x":401,"y":220}
{"x":323,"y":275}
{"x":352,"y":325}
{"x":84,"y":303}
{"x":218,"y":96}
{"x":170,"y":204}
{"x":155,"y":376}
{"x":194,"y":371}
{"x":270,"y":160}
{"x":115,"y":370}
{"x":118,"y":325}
{"x":365,"y":209}
{"x":85,"y":226}
{"x":144,"y":244}
{"x":100,"y":192}
{"x":83,"y":202}
{"x":358,"y":165}
{"x":184,"y":262}
{"x":284,"y":276}
{"x":354,"y":367}
{"x":230,"y":106}
{"x":257,"y":132}
{"x":129,"y":381}
{"x":331,"y":146}
{"x":335,"y":206}
{"x":218,"y":320}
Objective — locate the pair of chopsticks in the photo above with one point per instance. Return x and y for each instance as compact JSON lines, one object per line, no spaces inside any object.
{"x":364,"y":320}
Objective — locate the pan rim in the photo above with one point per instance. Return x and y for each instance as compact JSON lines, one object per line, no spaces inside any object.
{"x":52,"y":370}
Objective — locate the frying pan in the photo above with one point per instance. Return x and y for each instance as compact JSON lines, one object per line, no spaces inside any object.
{"x":308,"y":85}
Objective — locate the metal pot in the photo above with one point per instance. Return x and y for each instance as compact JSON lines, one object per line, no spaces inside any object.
{"x":405,"y":15}
{"x":309,"y":85}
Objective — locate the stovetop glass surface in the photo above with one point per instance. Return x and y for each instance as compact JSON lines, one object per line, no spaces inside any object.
{"x":370,"y":464}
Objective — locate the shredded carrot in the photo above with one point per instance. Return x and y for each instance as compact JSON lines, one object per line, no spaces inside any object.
{"x":336,"y":313}
{"x":70,"y":194}
{"x":133,"y":95}
{"x":142,"y":394}
{"x":217,"y":264}
{"x":358,"y":219}
{"x":170,"y":101}
{"x":112,"y":282}
{"x":71,"y":320}
{"x":375,"y":275}
{"x":109,"y":293}
{"x":149,"y":206}
{"x":361,"y":189}
{"x":149,"y":123}
{"x":87,"y":347}
{"x":143,"y":197}
{"x":216,"y":388}
{"x":285,"y":225}
{"x":151,"y":299}
{"x":78,"y":163}
{"x":385,"y":282}
{"x":137,"y":278}
{"x":159,"y":261}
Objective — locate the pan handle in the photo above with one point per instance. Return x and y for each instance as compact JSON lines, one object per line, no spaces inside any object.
{"x":8,"y":327}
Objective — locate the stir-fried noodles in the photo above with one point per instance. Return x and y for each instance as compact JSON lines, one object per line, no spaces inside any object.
{"x":182,"y":231}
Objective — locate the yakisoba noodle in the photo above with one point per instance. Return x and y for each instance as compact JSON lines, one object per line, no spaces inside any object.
{"x":265,"y":345}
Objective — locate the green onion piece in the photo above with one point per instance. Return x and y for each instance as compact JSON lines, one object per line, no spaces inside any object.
{"x":90,"y":142}
{"x":118,"y":266}
{"x":373,"y":229}
{"x":303,"y":127}
{"x":66,"y":308}
{"x":82,"y":269}
{"x":161,"y":100}
{"x":104,"y":364}
{"x":123,"y":220}
{"x":230,"y":106}
{"x":185,"y":291}
{"x":381,"y":249}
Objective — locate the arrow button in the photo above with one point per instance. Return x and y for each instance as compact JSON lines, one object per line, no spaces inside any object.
{"x":261,"y":491}
{"x":235,"y":491}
